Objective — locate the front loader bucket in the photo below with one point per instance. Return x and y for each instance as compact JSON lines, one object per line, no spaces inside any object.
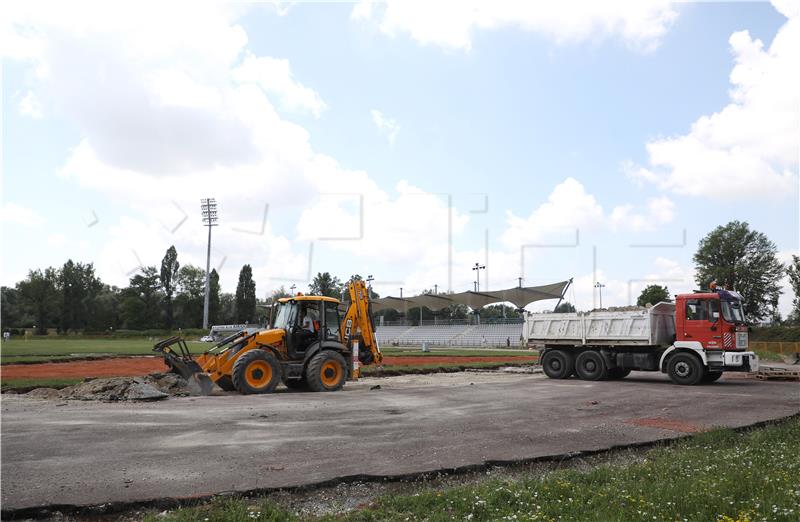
{"x":179,"y":359}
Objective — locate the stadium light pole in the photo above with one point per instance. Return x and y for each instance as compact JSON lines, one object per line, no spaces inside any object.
{"x":208,"y":207}
{"x":478,"y":267}
{"x":600,"y":287}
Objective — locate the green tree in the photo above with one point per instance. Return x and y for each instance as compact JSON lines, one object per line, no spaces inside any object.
{"x":106,"y":315}
{"x":141,"y":301}
{"x":743,"y":260}
{"x":169,"y":276}
{"x":653,"y":294}
{"x":79,"y":288}
{"x":793,"y":271}
{"x":499,"y":311}
{"x":227,"y":306}
{"x":564,"y":308}
{"x":246,"y":296}
{"x":12,"y":310}
{"x":191,"y":296}
{"x":39,"y":294}
{"x":325,"y":284}
{"x":213,"y":298}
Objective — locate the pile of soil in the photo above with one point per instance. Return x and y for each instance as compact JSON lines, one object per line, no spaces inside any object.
{"x":153,"y":387}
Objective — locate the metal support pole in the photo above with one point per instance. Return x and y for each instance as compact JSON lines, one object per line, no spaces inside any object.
{"x":208,"y":281}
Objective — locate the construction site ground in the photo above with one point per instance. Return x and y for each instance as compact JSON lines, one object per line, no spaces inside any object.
{"x":59,"y":453}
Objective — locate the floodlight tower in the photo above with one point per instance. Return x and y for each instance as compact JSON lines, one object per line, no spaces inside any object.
{"x":600,"y":287}
{"x":478,"y":267}
{"x":208,"y":207}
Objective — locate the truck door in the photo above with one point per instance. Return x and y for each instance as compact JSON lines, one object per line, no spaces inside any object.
{"x":697,"y":325}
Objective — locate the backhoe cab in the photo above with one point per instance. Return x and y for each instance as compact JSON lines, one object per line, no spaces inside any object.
{"x":309,"y":344}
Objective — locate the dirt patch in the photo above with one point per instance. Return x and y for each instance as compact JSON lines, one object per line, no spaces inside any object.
{"x":669,"y":424}
{"x":139,"y":366}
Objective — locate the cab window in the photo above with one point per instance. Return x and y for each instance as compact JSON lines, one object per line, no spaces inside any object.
{"x":696,"y":310}
{"x":332,"y":320}
{"x":713,"y":308}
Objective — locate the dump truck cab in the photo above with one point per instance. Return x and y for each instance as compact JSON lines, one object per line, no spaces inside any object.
{"x":713,"y":319}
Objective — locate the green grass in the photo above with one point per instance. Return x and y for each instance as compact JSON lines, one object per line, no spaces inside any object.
{"x":82,"y":347}
{"x":400,"y":352}
{"x":29,"y":384}
{"x":769,"y":356}
{"x":721,"y":475}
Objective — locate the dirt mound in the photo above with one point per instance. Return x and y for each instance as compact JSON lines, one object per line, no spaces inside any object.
{"x":153,"y":387}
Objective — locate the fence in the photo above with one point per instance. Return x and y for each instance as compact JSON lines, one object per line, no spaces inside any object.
{"x":781,"y":347}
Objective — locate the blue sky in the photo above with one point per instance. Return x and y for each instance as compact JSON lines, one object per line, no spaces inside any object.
{"x":629,"y":124}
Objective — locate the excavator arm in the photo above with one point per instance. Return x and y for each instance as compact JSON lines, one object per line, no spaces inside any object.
{"x":358,"y":324}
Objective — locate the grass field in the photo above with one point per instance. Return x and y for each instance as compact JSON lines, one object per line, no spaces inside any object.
{"x":20,"y":350}
{"x":721,"y":475}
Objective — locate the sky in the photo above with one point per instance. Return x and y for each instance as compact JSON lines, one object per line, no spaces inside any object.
{"x":598,"y":141}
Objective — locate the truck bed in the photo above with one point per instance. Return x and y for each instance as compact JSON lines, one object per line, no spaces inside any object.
{"x":652,"y":327}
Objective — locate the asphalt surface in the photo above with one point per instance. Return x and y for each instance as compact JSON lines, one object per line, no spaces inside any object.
{"x":81,"y":453}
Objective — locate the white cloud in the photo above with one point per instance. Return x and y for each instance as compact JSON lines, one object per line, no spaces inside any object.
{"x":750,"y":147}
{"x":20,"y":215}
{"x":56,"y":240}
{"x":30,"y":105}
{"x":451,"y":23}
{"x":658,"y":212}
{"x":570,"y":207}
{"x":386,"y":126}
{"x":275,"y":76}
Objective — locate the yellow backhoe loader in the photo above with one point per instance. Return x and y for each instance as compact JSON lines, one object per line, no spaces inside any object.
{"x":309,"y":344}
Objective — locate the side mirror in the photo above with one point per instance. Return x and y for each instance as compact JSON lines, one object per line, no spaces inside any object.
{"x":715,"y":316}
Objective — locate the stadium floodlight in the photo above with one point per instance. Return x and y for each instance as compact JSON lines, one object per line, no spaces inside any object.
{"x":478,"y":267}
{"x":208,"y":208}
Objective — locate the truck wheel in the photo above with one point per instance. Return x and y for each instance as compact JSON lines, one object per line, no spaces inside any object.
{"x":558,"y":364}
{"x":327,"y":371}
{"x":618,"y":373}
{"x":225,"y":383}
{"x":590,"y":366}
{"x":257,"y":371}
{"x":711,"y":376}
{"x":685,"y":368}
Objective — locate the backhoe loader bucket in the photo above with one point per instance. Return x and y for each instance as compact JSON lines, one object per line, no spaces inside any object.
{"x":180,"y":361}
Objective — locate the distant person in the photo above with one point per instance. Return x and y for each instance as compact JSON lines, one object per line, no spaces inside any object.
{"x":6,"y":336}
{"x":508,"y":342}
{"x":483,"y":340}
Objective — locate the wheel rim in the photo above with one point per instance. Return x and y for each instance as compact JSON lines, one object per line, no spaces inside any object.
{"x":590,"y":366}
{"x":330,"y":373}
{"x":258,"y":374}
{"x":555,"y":365}
{"x":682,"y":369}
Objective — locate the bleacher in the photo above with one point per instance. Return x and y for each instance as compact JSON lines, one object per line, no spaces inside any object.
{"x":451,"y":335}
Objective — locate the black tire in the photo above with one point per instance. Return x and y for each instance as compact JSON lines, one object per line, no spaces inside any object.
{"x":257,"y":371}
{"x":590,"y":366}
{"x":327,"y":371}
{"x":558,"y":364}
{"x":296,"y":384}
{"x":618,"y":373}
{"x":226,"y":383}
{"x":685,"y":369}
{"x":710,"y":377}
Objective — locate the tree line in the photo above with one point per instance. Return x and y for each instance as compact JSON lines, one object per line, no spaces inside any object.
{"x":73,"y":298}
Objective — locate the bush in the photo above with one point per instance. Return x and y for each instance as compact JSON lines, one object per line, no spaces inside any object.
{"x":775,"y":333}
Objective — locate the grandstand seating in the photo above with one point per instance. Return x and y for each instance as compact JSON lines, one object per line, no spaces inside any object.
{"x":451,"y":334}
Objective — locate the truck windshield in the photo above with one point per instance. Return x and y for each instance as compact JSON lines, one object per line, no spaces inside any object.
{"x":732,"y":311}
{"x":286,"y":314}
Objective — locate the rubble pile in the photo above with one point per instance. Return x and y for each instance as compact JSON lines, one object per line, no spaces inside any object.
{"x":153,"y":387}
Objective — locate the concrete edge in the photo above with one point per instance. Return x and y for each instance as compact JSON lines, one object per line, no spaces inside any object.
{"x":111,"y":508}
